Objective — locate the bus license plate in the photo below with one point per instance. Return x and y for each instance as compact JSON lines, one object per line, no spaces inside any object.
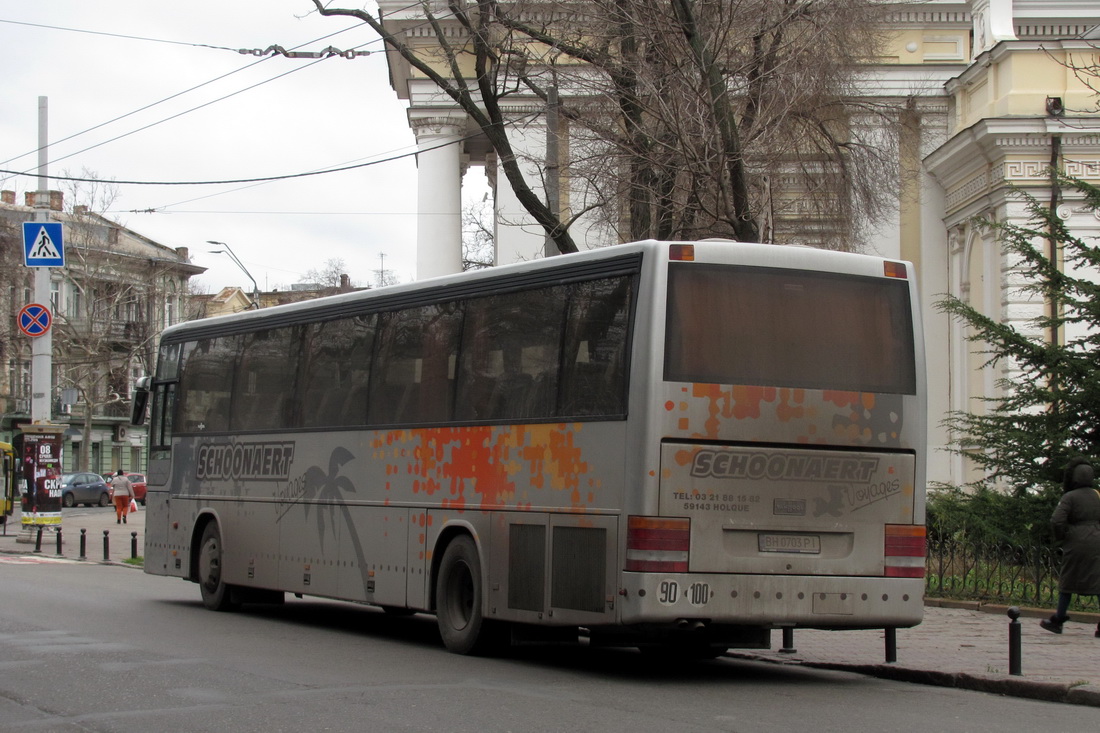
{"x":807,"y":544}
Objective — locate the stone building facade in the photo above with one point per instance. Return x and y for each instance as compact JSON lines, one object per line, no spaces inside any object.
{"x":117,"y":292}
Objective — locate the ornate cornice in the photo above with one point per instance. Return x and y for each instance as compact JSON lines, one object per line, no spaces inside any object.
{"x":1020,"y":173}
{"x":929,"y":17}
{"x":437,"y":125}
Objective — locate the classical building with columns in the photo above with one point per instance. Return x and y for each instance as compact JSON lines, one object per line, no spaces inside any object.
{"x":993,"y":101}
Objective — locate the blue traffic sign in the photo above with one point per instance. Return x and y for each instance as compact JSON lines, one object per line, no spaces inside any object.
{"x":34,"y":319}
{"x":43,"y":245}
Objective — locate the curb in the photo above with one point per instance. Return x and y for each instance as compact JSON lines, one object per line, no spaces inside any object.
{"x":1002,"y":609}
{"x":1088,"y":695}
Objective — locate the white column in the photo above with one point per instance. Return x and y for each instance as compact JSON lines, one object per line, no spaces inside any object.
{"x":439,"y":196}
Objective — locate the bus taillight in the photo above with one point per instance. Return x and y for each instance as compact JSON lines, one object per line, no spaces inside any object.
{"x":658,"y":544}
{"x":906,"y":546}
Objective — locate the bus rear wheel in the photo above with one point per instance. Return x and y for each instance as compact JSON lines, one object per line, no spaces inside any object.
{"x":216,"y":594}
{"x":458,"y":593}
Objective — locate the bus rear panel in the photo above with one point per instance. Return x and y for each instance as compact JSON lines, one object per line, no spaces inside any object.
{"x":786,"y":456}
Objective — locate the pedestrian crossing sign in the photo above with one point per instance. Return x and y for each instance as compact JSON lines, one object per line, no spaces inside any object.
{"x":43,"y":245}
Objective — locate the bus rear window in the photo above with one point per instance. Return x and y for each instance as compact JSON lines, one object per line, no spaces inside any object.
{"x":788,"y":328}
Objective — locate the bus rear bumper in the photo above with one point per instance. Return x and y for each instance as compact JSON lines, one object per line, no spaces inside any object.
{"x":833,"y":602}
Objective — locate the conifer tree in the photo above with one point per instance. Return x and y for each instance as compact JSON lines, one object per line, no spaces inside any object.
{"x":1048,"y":404}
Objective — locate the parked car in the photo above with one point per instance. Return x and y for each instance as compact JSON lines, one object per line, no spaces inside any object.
{"x":84,"y":488}
{"x":137,"y":480}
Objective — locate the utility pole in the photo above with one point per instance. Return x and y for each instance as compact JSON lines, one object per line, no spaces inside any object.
{"x":381,"y":269}
{"x":42,"y":346}
{"x":42,"y":462}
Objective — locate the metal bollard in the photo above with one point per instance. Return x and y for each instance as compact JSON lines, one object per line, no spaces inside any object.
{"x":1015,"y":647}
{"x":133,"y":546}
{"x":83,"y":544}
{"x":106,"y":545}
{"x":38,"y":540}
{"x":59,"y":541}
{"x":891,"y":644}
{"x":788,"y":641}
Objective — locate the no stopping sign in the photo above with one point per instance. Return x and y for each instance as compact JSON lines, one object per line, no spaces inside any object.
{"x":34,"y":319}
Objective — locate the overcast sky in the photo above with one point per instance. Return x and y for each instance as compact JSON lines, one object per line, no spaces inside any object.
{"x":125,"y":68}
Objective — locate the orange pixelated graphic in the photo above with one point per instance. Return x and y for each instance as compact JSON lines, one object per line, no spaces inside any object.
{"x":846,"y":416}
{"x":478,"y":467}
{"x":789,"y":408}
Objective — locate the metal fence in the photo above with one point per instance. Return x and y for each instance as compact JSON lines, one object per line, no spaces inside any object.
{"x":997,"y":573}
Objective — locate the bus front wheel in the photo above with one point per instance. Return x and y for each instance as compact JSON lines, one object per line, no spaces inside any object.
{"x":216,"y":594}
{"x":459,"y":592}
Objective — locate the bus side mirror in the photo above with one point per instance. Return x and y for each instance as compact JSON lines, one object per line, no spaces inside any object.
{"x":141,"y":399}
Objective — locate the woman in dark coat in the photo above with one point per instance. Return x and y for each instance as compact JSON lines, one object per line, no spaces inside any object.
{"x":1076,"y":524}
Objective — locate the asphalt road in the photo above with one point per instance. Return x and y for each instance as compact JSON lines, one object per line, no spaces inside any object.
{"x":93,"y":647}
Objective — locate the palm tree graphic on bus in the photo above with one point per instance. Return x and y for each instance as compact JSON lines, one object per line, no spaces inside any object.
{"x":327,"y":490}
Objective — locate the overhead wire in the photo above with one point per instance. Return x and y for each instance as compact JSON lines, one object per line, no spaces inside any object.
{"x":174,"y":96}
{"x":191,"y":89}
{"x":113,"y":35}
{"x":250,"y":181}
{"x":262,"y":179}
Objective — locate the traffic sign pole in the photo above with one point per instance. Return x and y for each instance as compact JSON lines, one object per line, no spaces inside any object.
{"x":42,"y":346}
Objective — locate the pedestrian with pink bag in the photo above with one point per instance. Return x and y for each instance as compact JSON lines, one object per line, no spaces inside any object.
{"x":123,"y":496}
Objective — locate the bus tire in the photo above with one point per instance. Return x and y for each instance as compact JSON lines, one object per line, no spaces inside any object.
{"x":217,"y":595}
{"x":459,"y":591}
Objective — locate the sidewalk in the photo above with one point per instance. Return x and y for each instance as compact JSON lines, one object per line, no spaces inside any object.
{"x":959,"y":644}
{"x":95,"y":520}
{"x":964,"y":646}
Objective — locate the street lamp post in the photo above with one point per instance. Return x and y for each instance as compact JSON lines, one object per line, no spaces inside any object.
{"x":229,"y":251}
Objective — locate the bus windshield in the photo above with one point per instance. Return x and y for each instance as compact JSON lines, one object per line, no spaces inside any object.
{"x":731,"y":324}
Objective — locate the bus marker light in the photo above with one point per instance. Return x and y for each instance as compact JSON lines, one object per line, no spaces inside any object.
{"x":895,"y":269}
{"x":681,"y":252}
{"x":658,"y":544}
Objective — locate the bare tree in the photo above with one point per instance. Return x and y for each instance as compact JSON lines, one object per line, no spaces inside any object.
{"x":727,"y":118}
{"x":477,"y":236}
{"x":688,"y":118}
{"x":1085,"y":66}
{"x":478,"y":92}
{"x":111,"y":308}
{"x":15,"y":349}
{"x":329,"y":276}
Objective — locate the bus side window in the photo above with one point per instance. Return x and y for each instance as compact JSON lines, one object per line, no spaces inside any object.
{"x":208,"y":368}
{"x":336,"y":361}
{"x":594,"y":364}
{"x":510,"y":355}
{"x":414,"y":374}
{"x":265,"y":380}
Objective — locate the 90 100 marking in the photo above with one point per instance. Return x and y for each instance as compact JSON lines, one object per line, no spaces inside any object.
{"x":697,"y":594}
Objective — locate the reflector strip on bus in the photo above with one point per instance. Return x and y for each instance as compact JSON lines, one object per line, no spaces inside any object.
{"x":657,"y":544}
{"x":904,"y":550}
